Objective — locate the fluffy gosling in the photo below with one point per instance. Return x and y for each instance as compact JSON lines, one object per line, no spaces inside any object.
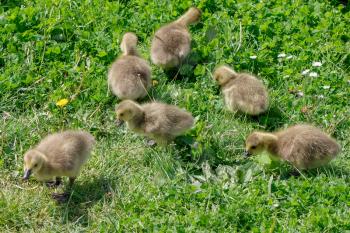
{"x":172,"y":43}
{"x":57,"y":155}
{"x":304,"y":146}
{"x":158,"y":121}
{"x":129,"y":77}
{"x":242,"y":92}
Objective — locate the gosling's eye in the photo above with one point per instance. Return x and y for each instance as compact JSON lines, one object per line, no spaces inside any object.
{"x":35,"y":165}
{"x":121,"y":114}
{"x":253,"y":147}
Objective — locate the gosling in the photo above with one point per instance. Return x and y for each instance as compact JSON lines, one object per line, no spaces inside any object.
{"x":242,"y":92}
{"x":158,"y":121}
{"x":303,"y":146}
{"x":172,"y":43}
{"x":57,"y":155}
{"x":129,"y":76}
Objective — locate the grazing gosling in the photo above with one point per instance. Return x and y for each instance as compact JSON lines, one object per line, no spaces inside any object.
{"x":242,"y":92}
{"x":172,"y":43}
{"x":129,"y":76}
{"x":304,"y":146}
{"x":158,"y":121}
{"x":57,"y":155}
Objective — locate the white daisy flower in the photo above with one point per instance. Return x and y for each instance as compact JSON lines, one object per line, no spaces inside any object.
{"x":320,"y":96}
{"x":313,"y":74}
{"x":290,"y":57}
{"x":305,"y":72}
{"x":282,"y":55}
{"x":253,"y":57}
{"x":316,"y":64}
{"x":300,"y":94}
{"x":326,"y":87}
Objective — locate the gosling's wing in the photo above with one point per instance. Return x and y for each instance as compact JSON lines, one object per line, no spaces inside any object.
{"x":291,"y":145}
{"x":53,"y":146}
{"x":173,"y":39}
{"x":179,"y":120}
{"x":248,"y":93}
{"x":67,"y":150}
{"x":307,"y":146}
{"x":154,"y":119}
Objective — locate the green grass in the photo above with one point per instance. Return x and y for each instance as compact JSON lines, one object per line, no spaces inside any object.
{"x":50,"y":50}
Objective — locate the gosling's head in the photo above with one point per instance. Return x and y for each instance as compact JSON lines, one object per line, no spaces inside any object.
{"x":127,"y":110}
{"x":194,"y":14}
{"x":256,"y":143}
{"x":33,"y":162}
{"x":223,"y":74}
{"x":191,"y":16}
{"x":129,"y":43}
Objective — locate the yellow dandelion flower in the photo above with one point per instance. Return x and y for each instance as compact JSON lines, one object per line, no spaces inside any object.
{"x":62,"y":102}
{"x":154,"y":82}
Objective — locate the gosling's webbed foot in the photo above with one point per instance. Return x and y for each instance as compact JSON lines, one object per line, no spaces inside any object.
{"x":51,"y":184}
{"x":294,"y":173}
{"x":54,"y":184}
{"x":151,"y":143}
{"x":60,"y":197}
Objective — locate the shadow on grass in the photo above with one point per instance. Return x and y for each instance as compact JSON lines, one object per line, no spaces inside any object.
{"x":286,"y":172}
{"x":330,"y":171}
{"x":273,"y":119}
{"x":185,"y":72}
{"x":345,"y":3}
{"x":83,"y":196}
{"x":9,"y":4}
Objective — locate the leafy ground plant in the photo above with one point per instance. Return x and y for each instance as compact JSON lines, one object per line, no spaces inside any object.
{"x":54,"y":57}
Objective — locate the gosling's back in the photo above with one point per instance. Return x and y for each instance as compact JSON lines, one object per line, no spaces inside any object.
{"x":172,"y":42}
{"x":247,"y":94}
{"x":306,"y":146}
{"x":166,"y":119}
{"x":68,"y":150}
{"x":170,"y":46}
{"x":130,"y":77}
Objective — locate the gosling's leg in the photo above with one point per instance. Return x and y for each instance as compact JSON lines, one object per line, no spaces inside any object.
{"x":151,"y":142}
{"x":63,"y":197}
{"x":58,"y":181}
{"x":71,"y":182}
{"x":54,"y":184}
{"x":294,"y":173}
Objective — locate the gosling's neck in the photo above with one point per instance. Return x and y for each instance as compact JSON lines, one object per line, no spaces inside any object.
{"x":138,"y":120}
{"x":129,"y":48}
{"x":130,"y":51}
{"x":190,"y":17}
{"x":270,"y":143}
{"x":226,"y":83}
{"x":46,"y":166}
{"x":46,"y":170}
{"x":228,"y":74}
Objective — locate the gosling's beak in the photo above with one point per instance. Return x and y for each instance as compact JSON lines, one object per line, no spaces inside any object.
{"x":119,"y":122}
{"x":247,"y":154}
{"x":27,"y":173}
